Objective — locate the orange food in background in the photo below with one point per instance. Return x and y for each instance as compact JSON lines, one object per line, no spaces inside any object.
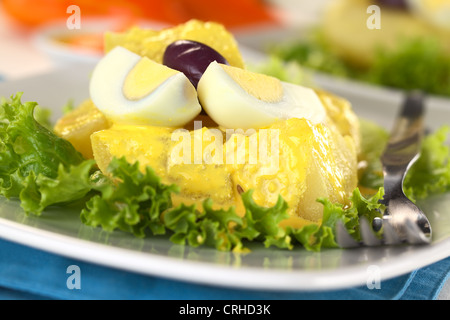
{"x":34,"y":13}
{"x":231,"y":13}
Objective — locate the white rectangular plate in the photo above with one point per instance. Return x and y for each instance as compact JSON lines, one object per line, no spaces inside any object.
{"x":60,"y":231}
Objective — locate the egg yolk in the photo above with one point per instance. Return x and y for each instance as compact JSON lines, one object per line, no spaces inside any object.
{"x":145,"y":77}
{"x":261,"y":86}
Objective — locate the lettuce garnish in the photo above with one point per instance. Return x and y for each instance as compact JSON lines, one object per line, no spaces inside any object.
{"x":71,"y":184}
{"x":416,"y":63}
{"x":35,"y":165}
{"x":139,"y":203}
{"x":41,"y":169}
{"x":128,"y":200}
{"x":431,"y":172}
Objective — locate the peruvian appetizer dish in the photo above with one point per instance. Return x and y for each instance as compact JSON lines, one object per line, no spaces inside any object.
{"x":179,"y":137}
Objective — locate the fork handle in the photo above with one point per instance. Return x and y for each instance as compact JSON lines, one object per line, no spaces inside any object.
{"x":394,"y":176}
{"x":403,"y":147}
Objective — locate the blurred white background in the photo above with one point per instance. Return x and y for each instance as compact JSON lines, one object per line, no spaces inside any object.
{"x":20,"y":57}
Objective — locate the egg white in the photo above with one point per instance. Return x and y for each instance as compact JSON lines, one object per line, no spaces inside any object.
{"x":230,"y":106}
{"x":173,"y":103}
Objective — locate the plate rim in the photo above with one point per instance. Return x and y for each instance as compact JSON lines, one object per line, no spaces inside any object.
{"x":146,"y":263}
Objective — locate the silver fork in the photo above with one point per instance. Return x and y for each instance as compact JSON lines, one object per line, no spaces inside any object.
{"x":402,"y":221}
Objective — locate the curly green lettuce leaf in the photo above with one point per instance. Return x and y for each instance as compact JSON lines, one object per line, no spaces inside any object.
{"x":263,"y":223}
{"x":40,"y":191}
{"x":209,"y":227}
{"x":315,"y":237}
{"x":35,"y":164}
{"x":430,"y":174}
{"x":315,"y":53}
{"x":27,"y":146}
{"x":182,"y":221}
{"x":417,"y":63}
{"x":131,"y":200}
{"x":224,"y":229}
{"x":42,"y":116}
{"x":137,"y":202}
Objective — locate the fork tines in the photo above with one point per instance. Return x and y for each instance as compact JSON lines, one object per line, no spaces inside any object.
{"x":369,"y":238}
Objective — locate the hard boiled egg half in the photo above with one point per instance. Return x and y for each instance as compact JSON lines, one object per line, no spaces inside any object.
{"x":240,"y":99}
{"x":131,"y":89}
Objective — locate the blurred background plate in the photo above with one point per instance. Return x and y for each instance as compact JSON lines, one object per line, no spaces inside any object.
{"x":64,"y":46}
